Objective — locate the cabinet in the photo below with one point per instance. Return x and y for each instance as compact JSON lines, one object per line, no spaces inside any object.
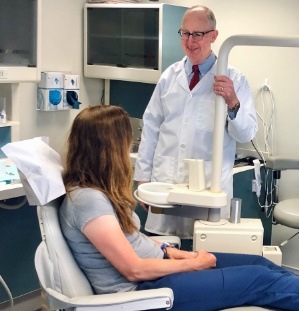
{"x":20,"y":40}
{"x":131,"y":42}
{"x":20,"y":44}
{"x":9,"y":131}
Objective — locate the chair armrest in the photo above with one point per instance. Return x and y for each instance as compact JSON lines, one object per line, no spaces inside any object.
{"x":281,"y":163}
{"x":134,"y":300}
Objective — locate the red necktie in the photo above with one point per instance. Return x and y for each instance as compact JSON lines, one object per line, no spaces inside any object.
{"x":195,"y":77}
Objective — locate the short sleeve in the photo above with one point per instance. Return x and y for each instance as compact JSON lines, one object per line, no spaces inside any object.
{"x":89,"y":204}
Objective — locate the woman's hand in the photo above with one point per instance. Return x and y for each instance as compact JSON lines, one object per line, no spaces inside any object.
{"x":174,"y":253}
{"x":205,"y":260}
{"x":201,"y":259}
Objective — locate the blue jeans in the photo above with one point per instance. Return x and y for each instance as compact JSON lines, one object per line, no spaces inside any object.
{"x":237,"y":280}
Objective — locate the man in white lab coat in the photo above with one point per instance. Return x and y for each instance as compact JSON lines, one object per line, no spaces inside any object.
{"x":178,"y":122}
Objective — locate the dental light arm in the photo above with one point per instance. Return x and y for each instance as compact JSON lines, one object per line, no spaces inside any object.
{"x":219,"y":121}
{"x":214,"y":198}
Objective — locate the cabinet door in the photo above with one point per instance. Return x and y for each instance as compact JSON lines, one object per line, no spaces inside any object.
{"x":123,"y":37}
{"x":125,"y":42}
{"x":19,"y":40}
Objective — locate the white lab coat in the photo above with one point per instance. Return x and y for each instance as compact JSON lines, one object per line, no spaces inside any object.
{"x":178,"y":124}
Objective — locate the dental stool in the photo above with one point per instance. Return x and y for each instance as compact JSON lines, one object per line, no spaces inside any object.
{"x":286,"y":212}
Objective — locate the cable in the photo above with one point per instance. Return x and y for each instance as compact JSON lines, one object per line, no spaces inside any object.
{"x":13,"y":206}
{"x":258,"y":152}
{"x":268,"y":189}
{"x":266,"y":117}
{"x":286,"y":241}
{"x":7,"y":291}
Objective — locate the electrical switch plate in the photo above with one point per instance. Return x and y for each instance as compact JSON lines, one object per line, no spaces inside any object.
{"x":3,"y":74}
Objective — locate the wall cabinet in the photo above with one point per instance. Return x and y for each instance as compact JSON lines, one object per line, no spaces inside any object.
{"x":9,"y":131}
{"x":131,"y":42}
{"x":20,"y":40}
{"x":20,"y":45}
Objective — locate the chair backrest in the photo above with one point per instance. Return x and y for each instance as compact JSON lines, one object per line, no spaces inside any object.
{"x":55,"y":264}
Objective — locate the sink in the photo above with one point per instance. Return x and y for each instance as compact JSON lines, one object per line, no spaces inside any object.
{"x":155,"y":192}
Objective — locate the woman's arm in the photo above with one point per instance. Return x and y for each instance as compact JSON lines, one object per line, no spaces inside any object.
{"x":106,"y":235}
{"x":175,"y":253}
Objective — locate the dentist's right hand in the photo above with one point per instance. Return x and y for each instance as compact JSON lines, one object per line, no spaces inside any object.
{"x":143,"y":205}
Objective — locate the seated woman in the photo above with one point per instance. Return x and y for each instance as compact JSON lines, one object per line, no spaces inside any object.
{"x":98,"y":220}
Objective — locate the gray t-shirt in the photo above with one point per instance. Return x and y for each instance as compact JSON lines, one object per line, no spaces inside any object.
{"x":86,"y":204}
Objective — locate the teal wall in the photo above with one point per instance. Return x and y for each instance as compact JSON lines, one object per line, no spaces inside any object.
{"x":132,"y":96}
{"x":19,"y":238}
{"x":5,"y":137}
{"x":250,"y":206}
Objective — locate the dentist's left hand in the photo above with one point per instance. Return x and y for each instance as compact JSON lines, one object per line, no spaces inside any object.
{"x":224,"y":87}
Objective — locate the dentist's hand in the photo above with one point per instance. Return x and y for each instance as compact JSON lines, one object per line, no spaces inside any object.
{"x":143,"y":205}
{"x":224,"y":87}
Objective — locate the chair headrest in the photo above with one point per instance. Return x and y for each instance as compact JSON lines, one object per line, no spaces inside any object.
{"x":40,"y":168}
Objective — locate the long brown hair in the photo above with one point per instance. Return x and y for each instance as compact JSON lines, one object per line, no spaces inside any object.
{"x":98,"y":158}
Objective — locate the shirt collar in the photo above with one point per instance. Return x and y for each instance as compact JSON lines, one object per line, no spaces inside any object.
{"x":203,"y":67}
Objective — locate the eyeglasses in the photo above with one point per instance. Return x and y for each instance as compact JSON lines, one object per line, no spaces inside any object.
{"x":197,"y":35}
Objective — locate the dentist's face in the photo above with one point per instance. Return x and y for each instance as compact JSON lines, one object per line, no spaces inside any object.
{"x":197,"y":49}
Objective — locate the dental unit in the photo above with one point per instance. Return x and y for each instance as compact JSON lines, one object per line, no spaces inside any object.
{"x":216,"y":234}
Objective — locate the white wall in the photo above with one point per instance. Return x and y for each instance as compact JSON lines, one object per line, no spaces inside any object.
{"x":278,"y":65}
{"x":62,"y":49}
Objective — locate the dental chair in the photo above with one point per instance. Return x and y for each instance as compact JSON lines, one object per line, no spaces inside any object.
{"x":286,"y":212}
{"x":66,"y":286}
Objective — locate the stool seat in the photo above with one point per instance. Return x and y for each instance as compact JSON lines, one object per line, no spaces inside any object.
{"x":286,"y":213}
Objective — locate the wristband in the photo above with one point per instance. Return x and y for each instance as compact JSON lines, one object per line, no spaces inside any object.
{"x":164,"y":249}
{"x":232,"y":113}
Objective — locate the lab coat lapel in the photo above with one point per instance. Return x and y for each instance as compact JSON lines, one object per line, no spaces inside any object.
{"x":181,"y":77}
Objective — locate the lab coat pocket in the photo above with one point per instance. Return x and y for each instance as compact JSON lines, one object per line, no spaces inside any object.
{"x":205,"y":116}
{"x":163,"y":169}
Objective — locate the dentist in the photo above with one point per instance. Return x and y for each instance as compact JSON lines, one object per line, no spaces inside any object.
{"x":178,"y":122}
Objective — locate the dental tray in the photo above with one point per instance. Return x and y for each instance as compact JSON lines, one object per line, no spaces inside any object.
{"x":151,"y":204}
